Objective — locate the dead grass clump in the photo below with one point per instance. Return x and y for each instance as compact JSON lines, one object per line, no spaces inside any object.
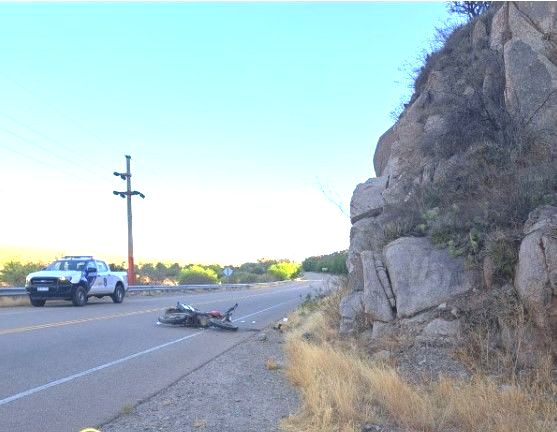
{"x":333,"y":386}
{"x":483,"y":405}
{"x":399,"y":401}
{"x":342,"y":391}
{"x":318,"y":315}
{"x":500,"y":339}
{"x":271,"y":364}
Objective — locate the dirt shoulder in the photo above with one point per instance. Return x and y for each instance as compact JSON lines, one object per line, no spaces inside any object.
{"x":234,"y":392}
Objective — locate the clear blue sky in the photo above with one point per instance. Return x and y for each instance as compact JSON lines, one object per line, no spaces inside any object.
{"x":247,"y":123}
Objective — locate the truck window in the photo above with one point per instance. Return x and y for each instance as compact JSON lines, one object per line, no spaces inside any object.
{"x":102,"y":268}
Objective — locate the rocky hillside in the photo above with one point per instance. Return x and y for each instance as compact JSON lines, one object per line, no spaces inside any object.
{"x":457,"y":234}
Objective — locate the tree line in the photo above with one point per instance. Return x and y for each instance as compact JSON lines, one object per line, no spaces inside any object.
{"x":334,"y":263}
{"x":13,"y":273}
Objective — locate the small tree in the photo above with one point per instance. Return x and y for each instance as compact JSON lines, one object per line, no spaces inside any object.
{"x":118,"y":267}
{"x":471,"y":9}
{"x":173,"y":271}
{"x":285,"y":270}
{"x":196,"y":274}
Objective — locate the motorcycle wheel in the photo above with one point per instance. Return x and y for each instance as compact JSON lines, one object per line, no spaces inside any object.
{"x":173,"y":318}
{"x":225,"y":325}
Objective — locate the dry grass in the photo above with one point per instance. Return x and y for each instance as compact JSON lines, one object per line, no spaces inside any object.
{"x":342,"y":389}
{"x":14,"y":301}
{"x":271,"y":364}
{"x":329,"y":382}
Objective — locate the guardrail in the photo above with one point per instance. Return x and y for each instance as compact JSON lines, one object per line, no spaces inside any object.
{"x":8,"y":292}
{"x":19,"y":291}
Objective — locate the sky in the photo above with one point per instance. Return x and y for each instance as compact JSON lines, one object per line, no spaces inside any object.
{"x":248,"y":124}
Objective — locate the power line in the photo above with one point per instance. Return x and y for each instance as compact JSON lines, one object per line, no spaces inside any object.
{"x":35,"y":131}
{"x":32,"y":93}
{"x":42,"y":162}
{"x":50,"y":154}
{"x":72,"y":120}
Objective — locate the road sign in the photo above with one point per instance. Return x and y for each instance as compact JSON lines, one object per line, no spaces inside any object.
{"x":228,"y":271}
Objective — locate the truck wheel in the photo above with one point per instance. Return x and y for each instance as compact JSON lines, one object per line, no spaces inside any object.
{"x":118,"y":295}
{"x":79,"y":297}
{"x":37,"y":302}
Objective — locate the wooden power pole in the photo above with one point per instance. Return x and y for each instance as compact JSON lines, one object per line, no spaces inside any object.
{"x":128,"y":195}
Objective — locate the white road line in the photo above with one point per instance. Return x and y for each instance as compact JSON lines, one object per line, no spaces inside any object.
{"x":264,"y":310}
{"x":57,"y":324}
{"x":118,"y":361}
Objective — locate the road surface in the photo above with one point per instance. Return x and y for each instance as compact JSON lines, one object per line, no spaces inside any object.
{"x":63,"y":368}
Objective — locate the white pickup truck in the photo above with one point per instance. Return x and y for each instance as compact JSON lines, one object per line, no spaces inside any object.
{"x":76,"y":278}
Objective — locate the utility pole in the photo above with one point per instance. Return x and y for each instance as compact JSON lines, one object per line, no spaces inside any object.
{"x":128,"y":194}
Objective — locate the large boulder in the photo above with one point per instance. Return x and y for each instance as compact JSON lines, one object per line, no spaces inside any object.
{"x":524,"y":33}
{"x":377,"y":289}
{"x":531,"y":88}
{"x":383,"y":150}
{"x":355,"y":272}
{"x":500,"y":31}
{"x":527,"y":21}
{"x":423,"y":276}
{"x":351,"y":309}
{"x":367,"y":199}
{"x":536,"y":273}
{"x":533,"y":22}
{"x":367,"y":234}
{"x":396,"y":155}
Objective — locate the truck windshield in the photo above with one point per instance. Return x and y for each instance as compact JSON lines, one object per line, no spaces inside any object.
{"x":65,"y":265}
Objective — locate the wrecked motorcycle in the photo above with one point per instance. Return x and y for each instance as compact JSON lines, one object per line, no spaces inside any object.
{"x":188,"y":316}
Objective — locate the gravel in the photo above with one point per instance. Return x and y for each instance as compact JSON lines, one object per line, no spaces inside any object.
{"x":243,"y":389}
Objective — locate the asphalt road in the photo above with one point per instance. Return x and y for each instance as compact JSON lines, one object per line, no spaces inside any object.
{"x":64,"y":368}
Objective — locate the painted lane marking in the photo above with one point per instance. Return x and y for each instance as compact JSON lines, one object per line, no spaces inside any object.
{"x":264,"y":310}
{"x":92,"y":370}
{"x":119,"y":315}
{"x":57,"y":382}
{"x":76,"y":321}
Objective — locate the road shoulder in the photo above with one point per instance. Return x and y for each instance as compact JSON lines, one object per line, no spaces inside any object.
{"x":243,"y":389}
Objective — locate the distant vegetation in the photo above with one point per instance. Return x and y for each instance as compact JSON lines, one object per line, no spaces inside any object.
{"x":196,"y":274}
{"x":13,"y":273}
{"x":334,"y":263}
{"x":284,"y":270}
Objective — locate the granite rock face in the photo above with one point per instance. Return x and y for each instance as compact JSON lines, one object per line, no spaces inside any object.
{"x":423,"y":276}
{"x":508,"y":71}
{"x":536,"y":274}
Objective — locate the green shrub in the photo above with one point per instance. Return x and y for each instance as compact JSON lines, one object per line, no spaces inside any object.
{"x":196,"y":274}
{"x":244,"y":277}
{"x":258,"y":268}
{"x":13,"y":273}
{"x":502,"y":248}
{"x":285,"y":270}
